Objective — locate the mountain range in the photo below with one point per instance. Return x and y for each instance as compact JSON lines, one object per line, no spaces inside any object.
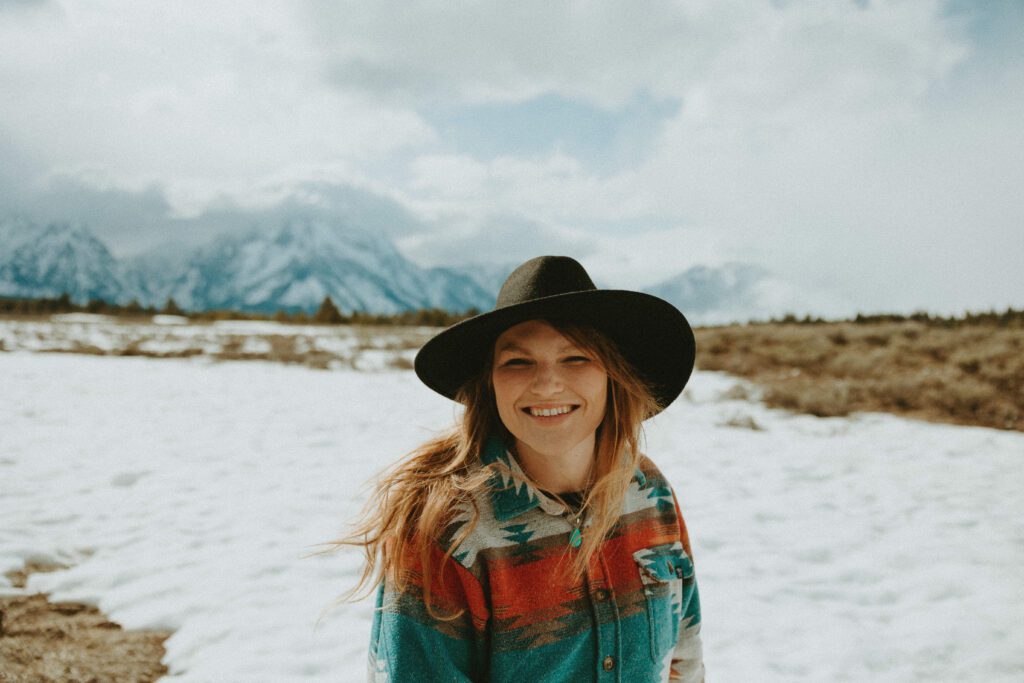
{"x":295,"y":265}
{"x":292,"y":267}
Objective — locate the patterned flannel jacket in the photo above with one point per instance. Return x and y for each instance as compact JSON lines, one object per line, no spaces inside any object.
{"x":634,"y":617}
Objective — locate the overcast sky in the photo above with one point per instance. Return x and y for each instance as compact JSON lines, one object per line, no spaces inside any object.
{"x":871,"y":153}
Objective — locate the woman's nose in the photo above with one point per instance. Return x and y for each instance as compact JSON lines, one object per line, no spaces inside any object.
{"x":547,"y":379}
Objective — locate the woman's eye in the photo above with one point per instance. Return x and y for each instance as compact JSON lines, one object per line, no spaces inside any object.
{"x":577,"y":359}
{"x":514,"y":362}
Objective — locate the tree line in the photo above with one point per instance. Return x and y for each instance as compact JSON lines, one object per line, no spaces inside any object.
{"x":327,"y":313}
{"x":1011,"y":317}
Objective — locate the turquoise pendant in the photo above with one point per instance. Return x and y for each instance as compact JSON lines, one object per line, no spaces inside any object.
{"x":575,"y":538}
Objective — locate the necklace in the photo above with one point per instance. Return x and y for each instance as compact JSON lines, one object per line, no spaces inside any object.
{"x":574,"y":512}
{"x":576,"y":537}
{"x":574,"y":509}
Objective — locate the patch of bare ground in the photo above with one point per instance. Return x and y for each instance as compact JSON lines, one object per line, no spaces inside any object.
{"x":967,"y":374}
{"x":280,"y":348}
{"x":43,"y":641}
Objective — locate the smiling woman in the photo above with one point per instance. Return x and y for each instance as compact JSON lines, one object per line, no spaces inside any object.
{"x":551,"y":397}
{"x":535,"y":541}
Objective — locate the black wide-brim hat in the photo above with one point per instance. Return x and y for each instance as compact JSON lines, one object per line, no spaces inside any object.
{"x":652,"y":334}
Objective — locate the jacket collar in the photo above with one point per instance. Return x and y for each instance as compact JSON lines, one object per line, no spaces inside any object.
{"x":512,"y":493}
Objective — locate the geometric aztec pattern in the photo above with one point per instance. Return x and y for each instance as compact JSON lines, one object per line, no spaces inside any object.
{"x":506,"y":609}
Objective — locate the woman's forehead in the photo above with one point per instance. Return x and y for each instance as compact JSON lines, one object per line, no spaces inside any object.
{"x":532,"y":333}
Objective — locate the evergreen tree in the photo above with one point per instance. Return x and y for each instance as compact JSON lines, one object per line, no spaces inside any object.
{"x":96,"y":306}
{"x":328,"y":313}
{"x":64,"y":303}
{"x":171,"y":308}
{"x":133,"y":307}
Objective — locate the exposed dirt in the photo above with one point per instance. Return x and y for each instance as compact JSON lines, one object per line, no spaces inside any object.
{"x":43,"y":641}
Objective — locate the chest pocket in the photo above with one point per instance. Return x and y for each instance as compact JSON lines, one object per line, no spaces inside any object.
{"x":663,"y":571}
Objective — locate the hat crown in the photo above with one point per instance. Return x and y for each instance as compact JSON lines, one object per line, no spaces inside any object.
{"x":541,"y":277}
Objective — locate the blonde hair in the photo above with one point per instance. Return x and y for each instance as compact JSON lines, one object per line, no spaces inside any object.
{"x":416,"y":499}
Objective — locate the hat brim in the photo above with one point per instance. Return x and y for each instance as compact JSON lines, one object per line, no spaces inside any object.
{"x":652,"y":334}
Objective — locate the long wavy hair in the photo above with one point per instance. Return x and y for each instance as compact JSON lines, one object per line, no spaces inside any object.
{"x":417,"y":498}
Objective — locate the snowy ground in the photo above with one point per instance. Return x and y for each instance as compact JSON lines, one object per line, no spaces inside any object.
{"x":186,"y":494}
{"x":335,"y":347}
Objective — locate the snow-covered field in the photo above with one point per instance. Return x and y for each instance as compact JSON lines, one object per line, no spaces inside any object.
{"x":168,"y":336}
{"x":186,"y":494}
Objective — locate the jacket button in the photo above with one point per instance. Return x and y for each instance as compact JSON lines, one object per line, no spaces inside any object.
{"x":600,"y":595}
{"x":609,"y":663}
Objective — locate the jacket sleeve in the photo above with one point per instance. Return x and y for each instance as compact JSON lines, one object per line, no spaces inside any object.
{"x":687,"y":657}
{"x":409,"y":643}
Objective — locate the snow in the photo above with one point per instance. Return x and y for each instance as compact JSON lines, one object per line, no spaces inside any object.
{"x":335,"y":345}
{"x":301,"y":261}
{"x":164,"y":319}
{"x":188,"y":495}
{"x":94,"y":318}
{"x":300,"y":292}
{"x":252,"y":326}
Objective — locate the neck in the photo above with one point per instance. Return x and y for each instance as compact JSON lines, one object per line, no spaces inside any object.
{"x":558,"y":472}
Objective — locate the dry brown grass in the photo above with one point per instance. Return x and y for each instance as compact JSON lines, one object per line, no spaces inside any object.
{"x":965,"y":375}
{"x":44,"y":641}
{"x":283,"y":349}
{"x":339,"y":347}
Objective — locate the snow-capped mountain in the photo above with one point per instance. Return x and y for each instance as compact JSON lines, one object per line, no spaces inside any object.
{"x":295,"y":265}
{"x":490,"y":276}
{"x":731,"y":292}
{"x":292,"y":267}
{"x":153,"y":273}
{"x":60,"y":257}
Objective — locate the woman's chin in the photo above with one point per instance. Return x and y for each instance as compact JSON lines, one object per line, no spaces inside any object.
{"x":554,"y":447}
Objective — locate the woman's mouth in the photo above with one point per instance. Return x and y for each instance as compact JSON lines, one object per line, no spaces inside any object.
{"x":549,"y":411}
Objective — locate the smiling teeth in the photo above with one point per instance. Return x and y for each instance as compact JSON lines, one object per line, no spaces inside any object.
{"x":549,"y":412}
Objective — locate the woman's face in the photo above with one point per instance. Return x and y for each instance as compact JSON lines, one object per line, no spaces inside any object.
{"x":551,"y":394}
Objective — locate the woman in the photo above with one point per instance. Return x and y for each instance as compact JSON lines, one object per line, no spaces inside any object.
{"x":534,"y":542}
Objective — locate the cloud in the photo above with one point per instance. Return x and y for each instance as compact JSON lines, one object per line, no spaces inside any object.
{"x":500,"y":239}
{"x":9,"y":5}
{"x":602,"y":139}
{"x":17,"y":168}
{"x":849,"y":147}
{"x":148,"y":94}
{"x":513,"y":52}
{"x":134,"y":220}
{"x":865,"y":147}
{"x":494,"y":52}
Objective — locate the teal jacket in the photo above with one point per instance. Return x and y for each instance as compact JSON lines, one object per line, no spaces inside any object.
{"x":635,"y":616}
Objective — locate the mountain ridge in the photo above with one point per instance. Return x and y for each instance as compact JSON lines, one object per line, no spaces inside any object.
{"x":295,"y":264}
{"x":292,"y":267}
